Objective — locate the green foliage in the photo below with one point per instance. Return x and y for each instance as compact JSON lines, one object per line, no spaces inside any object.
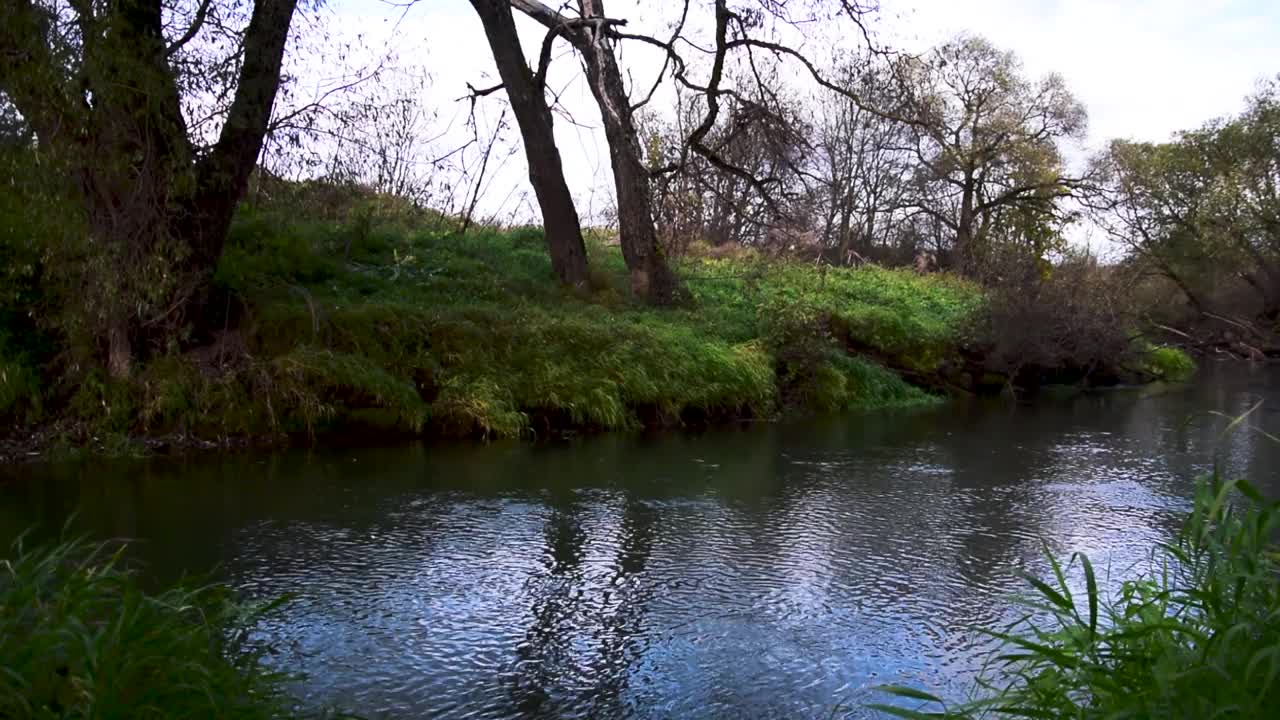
{"x":843,"y":382}
{"x":868,"y":385}
{"x":109,"y":406}
{"x":80,"y":639}
{"x":44,"y":251}
{"x":1196,"y":636}
{"x":316,"y":378}
{"x":809,"y":326}
{"x":1201,"y":210}
{"x":366,"y":319}
{"x":905,"y":318}
{"x":475,"y":328}
{"x":21,"y":391}
{"x":1170,"y":363}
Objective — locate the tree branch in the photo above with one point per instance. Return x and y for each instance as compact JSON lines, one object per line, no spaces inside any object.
{"x":196,"y":24}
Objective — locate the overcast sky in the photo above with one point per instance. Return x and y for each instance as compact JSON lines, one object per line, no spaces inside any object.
{"x":1143,"y":68}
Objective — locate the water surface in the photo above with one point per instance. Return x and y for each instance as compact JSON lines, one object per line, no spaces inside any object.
{"x":781,"y":570}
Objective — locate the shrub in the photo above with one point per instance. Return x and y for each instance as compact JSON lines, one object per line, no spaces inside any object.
{"x":79,"y":639}
{"x":1061,"y":322}
{"x":1196,"y":636}
{"x":1170,"y":363}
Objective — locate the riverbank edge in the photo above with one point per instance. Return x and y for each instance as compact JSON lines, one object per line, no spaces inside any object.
{"x":56,"y":442}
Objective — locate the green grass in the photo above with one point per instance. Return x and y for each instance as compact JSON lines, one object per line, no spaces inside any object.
{"x":394,"y":322}
{"x":79,"y":639}
{"x":898,"y":315}
{"x":1195,"y":636}
{"x":366,"y":314}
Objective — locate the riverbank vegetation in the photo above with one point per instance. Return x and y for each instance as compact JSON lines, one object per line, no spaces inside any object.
{"x":202,"y":256}
{"x":393,"y":320}
{"x":80,"y":639}
{"x":1196,"y":634}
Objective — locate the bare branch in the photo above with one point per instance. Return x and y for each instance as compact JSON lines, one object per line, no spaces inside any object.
{"x":196,"y":24}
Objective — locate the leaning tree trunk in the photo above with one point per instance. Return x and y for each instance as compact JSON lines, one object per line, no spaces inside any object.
{"x":651,"y":278}
{"x":546,"y":174}
{"x":222,"y":177}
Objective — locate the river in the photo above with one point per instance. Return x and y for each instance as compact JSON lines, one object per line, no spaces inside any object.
{"x":777,"y":570}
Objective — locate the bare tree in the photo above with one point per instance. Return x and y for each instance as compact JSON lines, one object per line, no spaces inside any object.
{"x":759,"y":137}
{"x":745,"y":119}
{"x":591,"y":35}
{"x":863,"y":170}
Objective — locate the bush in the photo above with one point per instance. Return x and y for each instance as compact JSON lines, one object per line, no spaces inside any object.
{"x":1170,"y":363}
{"x":1060,"y":323}
{"x":79,"y":639}
{"x":1196,"y":636}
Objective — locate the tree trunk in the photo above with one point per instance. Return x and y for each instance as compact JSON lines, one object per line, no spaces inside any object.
{"x":869,"y":232}
{"x":965,"y":259}
{"x":846,"y":230}
{"x":157,"y":219}
{"x":651,"y":278}
{"x":546,"y":174}
{"x":119,"y":348}
{"x":223,"y":176}
{"x":1267,"y":293}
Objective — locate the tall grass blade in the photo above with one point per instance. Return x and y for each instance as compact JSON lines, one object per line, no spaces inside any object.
{"x":1091,"y":587}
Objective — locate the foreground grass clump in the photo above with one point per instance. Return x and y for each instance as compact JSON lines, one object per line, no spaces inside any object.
{"x":1196,"y":636}
{"x":79,"y":639}
{"x":401,"y":324}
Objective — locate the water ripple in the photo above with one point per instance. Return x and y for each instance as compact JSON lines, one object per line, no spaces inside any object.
{"x":783,"y":571}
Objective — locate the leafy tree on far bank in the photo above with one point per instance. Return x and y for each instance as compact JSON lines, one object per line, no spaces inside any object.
{"x":1203,"y":210}
{"x":111,"y":90}
{"x":986,"y":144}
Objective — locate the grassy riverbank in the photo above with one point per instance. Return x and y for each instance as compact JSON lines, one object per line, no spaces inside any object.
{"x":377,"y":318}
{"x":361,"y":315}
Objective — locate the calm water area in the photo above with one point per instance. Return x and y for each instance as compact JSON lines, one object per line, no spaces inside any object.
{"x":774,"y":571}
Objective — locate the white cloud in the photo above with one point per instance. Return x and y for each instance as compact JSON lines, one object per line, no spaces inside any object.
{"x":1144,"y":69}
